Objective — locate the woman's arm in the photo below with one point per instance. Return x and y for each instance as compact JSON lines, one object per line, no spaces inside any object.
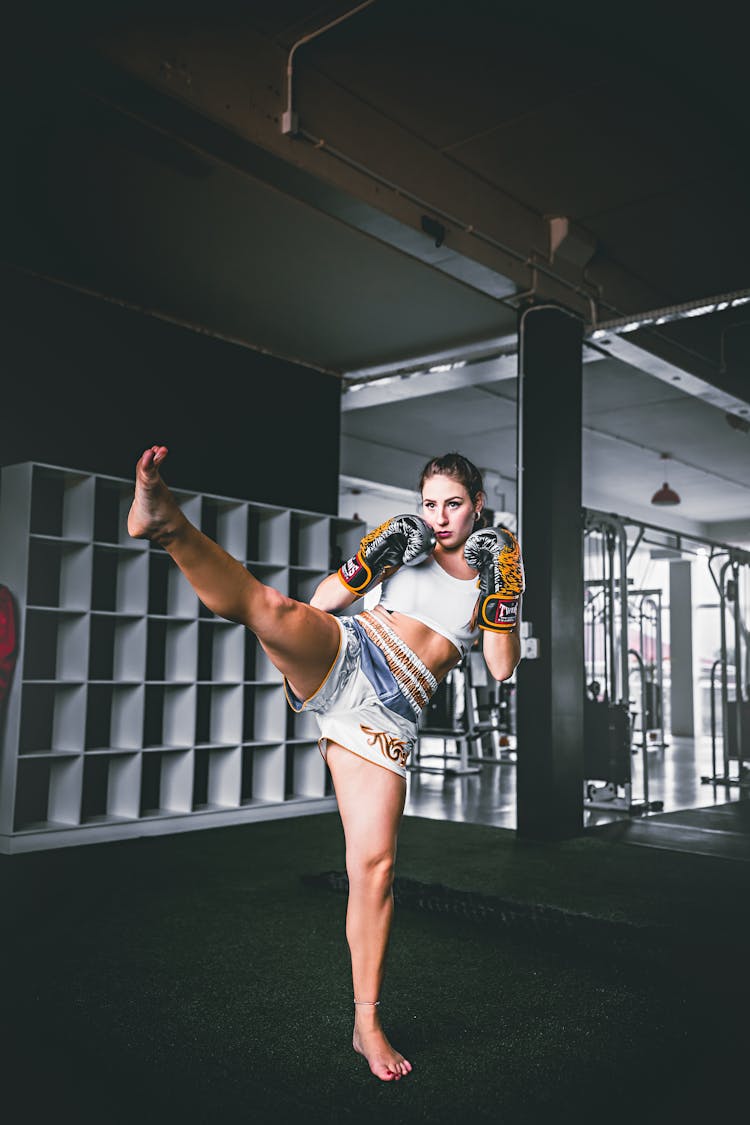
{"x":405,"y":539}
{"x":502,"y":653}
{"x":332,"y":595}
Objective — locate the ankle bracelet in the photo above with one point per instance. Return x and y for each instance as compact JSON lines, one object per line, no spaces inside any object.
{"x":369,"y":1003}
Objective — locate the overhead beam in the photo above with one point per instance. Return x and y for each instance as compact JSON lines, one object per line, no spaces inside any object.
{"x":669,"y":370}
{"x":416,"y":384}
{"x":220,"y":89}
{"x":731,"y":531}
{"x":349,"y":159}
{"x":480,"y":349}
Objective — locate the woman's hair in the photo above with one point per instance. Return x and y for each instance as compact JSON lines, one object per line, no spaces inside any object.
{"x":459,"y":468}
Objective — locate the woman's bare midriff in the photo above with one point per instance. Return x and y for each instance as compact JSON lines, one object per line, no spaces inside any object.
{"x":433,"y":649}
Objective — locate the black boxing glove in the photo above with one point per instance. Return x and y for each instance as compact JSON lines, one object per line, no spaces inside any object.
{"x":495,"y":553}
{"x":402,"y":540}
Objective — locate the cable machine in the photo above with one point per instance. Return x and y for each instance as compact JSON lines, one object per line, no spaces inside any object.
{"x":607,"y":594}
{"x":733,"y":668}
{"x":645,"y":609}
{"x":608,"y":725}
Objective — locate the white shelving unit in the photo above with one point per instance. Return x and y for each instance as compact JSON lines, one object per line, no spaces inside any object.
{"x":134,"y":710}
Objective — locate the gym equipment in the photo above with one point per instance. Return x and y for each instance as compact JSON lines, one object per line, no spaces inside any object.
{"x":735,"y":712}
{"x":446,"y":719}
{"x":610,"y":600}
{"x":607,"y":726}
{"x":491,"y":709}
{"x":472,"y":712}
{"x":645,"y":607}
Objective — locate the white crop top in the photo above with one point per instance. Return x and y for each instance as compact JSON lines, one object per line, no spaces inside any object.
{"x":437,"y":599}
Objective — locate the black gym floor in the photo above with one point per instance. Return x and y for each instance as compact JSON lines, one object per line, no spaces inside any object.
{"x":203,"y":977}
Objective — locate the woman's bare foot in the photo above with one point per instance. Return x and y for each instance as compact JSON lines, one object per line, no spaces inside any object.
{"x":154,"y":513}
{"x":370,"y":1041}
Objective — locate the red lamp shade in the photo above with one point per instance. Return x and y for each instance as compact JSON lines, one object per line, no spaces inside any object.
{"x":665,"y":495}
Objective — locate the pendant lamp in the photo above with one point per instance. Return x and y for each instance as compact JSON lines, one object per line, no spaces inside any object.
{"x":665,"y":495}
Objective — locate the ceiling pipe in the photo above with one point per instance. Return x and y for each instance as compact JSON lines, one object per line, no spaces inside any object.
{"x":289,"y":120}
{"x":596,"y":329}
{"x":290,"y":127}
{"x":534,"y":266}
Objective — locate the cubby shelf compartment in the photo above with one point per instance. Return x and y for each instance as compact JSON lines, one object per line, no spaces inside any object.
{"x":133,"y":708}
{"x":221,"y":651}
{"x":53,"y":716}
{"x":56,"y":645}
{"x":111,"y":787}
{"x":305,"y":774}
{"x":114,"y":716}
{"x":217,"y":777}
{"x":117,"y":647}
{"x":303,"y":582}
{"x":48,"y":792}
{"x":309,"y":542}
{"x":59,"y":573}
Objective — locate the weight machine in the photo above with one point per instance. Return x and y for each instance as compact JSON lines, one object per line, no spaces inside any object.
{"x":446,"y":719}
{"x":472,"y":716}
{"x":645,"y":608}
{"x":734,"y":701}
{"x":491,"y":710}
{"x":608,"y":723}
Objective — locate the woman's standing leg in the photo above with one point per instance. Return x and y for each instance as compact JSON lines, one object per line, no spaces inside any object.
{"x":371,"y":802}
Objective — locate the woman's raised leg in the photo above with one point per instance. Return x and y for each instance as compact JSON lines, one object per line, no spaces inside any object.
{"x":301,"y":641}
{"x":371,"y":802}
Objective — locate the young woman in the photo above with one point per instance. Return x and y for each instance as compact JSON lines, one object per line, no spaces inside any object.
{"x":368,"y":675}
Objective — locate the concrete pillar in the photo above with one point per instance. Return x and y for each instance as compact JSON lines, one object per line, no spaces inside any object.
{"x":681,"y":648}
{"x":550,"y":687}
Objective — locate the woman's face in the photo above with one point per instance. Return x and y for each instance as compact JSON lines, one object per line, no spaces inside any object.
{"x":449,"y":510}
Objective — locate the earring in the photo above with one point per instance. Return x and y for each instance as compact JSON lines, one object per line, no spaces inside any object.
{"x":476,"y":516}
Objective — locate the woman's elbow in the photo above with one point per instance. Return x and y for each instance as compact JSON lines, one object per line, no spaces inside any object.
{"x":503,"y":662}
{"x":504,"y":671}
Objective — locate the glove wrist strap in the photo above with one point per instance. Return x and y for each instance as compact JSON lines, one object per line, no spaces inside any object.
{"x":498,"y":614}
{"x":356,"y":575}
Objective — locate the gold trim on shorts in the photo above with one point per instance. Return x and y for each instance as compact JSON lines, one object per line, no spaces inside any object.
{"x":392,"y":748}
{"x":363,"y":758}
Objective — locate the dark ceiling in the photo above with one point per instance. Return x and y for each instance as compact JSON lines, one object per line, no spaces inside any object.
{"x":151,"y":168}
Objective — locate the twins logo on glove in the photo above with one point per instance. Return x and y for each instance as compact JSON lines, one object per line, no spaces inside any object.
{"x":495,"y":553}
{"x":403,"y":540}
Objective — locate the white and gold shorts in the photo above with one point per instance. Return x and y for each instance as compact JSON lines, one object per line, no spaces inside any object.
{"x":370,"y":700}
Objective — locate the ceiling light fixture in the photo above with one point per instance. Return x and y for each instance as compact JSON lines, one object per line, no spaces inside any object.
{"x":665,"y":495}
{"x":702,"y":307}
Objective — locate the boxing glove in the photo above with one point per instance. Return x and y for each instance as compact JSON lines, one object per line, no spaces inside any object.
{"x":406,"y":540}
{"x":495,"y":553}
